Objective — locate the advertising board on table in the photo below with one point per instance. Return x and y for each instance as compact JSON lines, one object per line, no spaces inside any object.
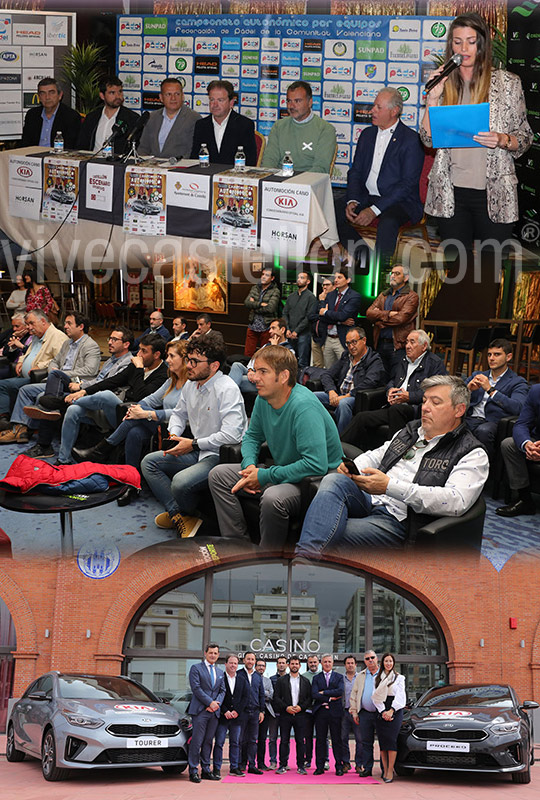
{"x":145,"y":192}
{"x":60,"y":189}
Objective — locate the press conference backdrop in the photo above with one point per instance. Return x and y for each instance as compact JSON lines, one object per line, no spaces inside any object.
{"x":346,"y":59}
{"x":32,"y":46}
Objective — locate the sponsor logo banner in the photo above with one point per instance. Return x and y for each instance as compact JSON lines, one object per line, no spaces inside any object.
{"x":155,"y":44}
{"x":99,"y":186}
{"x":129,"y":63}
{"x":404,"y":29}
{"x":25,"y":171}
{"x":207,"y":65}
{"x":5,"y":28}
{"x":131,"y":81}
{"x":151,"y":83}
{"x":338,"y":70}
{"x":180,"y":64}
{"x":207,"y":46}
{"x":188,"y":191}
{"x":155,"y":63}
{"x":130,"y":44}
{"x":10,"y":58}
{"x":24,"y":33}
{"x":402,"y":71}
{"x":337,"y":90}
{"x":339,"y":48}
{"x":287,"y":201}
{"x":130,"y":25}
{"x":181,"y":44}
{"x":155,"y":26}
{"x":132,"y":99}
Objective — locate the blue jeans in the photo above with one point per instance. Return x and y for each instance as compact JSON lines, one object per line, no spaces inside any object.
{"x":8,"y":392}
{"x":342,"y":516}
{"x":238,"y":374}
{"x":135,"y":433}
{"x":302,"y":348}
{"x":343,"y":412}
{"x":234,"y":726}
{"x":176,"y":481}
{"x":77,"y":413}
{"x":27,"y":396}
{"x":348,"y":725}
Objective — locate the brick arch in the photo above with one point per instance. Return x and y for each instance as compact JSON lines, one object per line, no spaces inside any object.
{"x":21,"y":613}
{"x":535,"y":661}
{"x":159,"y":575}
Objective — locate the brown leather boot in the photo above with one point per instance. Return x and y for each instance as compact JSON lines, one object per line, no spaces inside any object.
{"x":17,"y":435}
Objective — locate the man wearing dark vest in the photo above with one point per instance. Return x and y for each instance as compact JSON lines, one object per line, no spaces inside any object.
{"x":433,"y":467}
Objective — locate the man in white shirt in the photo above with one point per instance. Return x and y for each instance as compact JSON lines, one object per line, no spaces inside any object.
{"x":292,"y":699}
{"x":212,"y":406}
{"x":432,"y":467}
{"x":363,"y":711}
{"x":232,"y":707}
{"x":223,"y":131}
{"x":383,"y":181}
{"x":98,"y":124}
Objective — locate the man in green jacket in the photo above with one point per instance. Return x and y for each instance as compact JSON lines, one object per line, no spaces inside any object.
{"x":303,"y":442}
{"x":263,"y":302}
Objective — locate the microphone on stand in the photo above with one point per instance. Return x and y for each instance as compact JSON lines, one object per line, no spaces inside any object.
{"x":448,"y":68}
{"x":138,"y":127}
{"x":120,"y":127}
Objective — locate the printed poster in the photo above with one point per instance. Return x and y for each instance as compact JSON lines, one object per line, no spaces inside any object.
{"x":60,"y":189}
{"x":25,"y":186}
{"x":145,"y":191}
{"x":99,"y":186}
{"x":234,"y":209}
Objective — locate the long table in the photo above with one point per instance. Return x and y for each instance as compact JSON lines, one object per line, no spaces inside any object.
{"x":101,"y":241}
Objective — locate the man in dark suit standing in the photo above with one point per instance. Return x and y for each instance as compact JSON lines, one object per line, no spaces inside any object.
{"x":292,"y":698}
{"x":98,"y":124}
{"x":43,"y":122}
{"x":337,"y":312}
{"x":206,"y":683}
{"x":383,"y":182}
{"x":327,"y":690}
{"x":223,"y":130}
{"x":253,"y":714}
{"x":230,"y":719}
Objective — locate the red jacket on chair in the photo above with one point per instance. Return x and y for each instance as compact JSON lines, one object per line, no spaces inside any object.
{"x":28,"y":473}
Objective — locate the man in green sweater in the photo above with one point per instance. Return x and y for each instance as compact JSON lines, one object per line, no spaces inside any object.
{"x":310,"y":140}
{"x":303,"y":442}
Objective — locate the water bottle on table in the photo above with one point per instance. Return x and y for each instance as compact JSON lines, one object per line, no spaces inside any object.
{"x":240,"y":160}
{"x":204,"y":156}
{"x":287,"y":165}
{"x":58,"y":144}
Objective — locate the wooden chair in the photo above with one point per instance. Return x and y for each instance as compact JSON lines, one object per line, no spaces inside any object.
{"x":260,"y":141}
{"x":473,"y":351}
{"x":528,"y":345}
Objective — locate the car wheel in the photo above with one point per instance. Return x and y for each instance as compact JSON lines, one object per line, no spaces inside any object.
{"x":174,"y":769}
{"x":48,"y":759}
{"x":403,"y":772}
{"x":12,"y":754}
{"x":522,"y":777}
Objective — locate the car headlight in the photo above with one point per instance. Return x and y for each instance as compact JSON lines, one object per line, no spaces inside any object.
{"x":83,"y":722}
{"x":505,"y":727}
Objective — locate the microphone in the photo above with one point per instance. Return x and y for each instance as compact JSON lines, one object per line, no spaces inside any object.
{"x":449,"y":67}
{"x":120,"y":127}
{"x":138,"y":127}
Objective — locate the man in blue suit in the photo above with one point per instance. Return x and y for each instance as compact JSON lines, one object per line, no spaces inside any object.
{"x":383,"y":183}
{"x":206,"y":682}
{"x":520,"y":450}
{"x":496,"y":393}
{"x":232,"y":708}
{"x":253,"y":714}
{"x":336,"y":314}
{"x":327,"y":690}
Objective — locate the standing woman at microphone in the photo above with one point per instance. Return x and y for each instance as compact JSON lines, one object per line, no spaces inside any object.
{"x":473,"y":191}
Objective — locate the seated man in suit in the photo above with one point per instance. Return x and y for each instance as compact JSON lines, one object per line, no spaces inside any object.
{"x":169,"y":131}
{"x":43,"y":122}
{"x":403,"y":392}
{"x":327,"y":689}
{"x":519,"y":450}
{"x":310,"y":140}
{"x":292,"y":698}
{"x":495,"y":393}
{"x":433,"y":466}
{"x":383,"y":182}
{"x":337,"y":312}
{"x":156,"y":326}
{"x":224,"y":130}
{"x":98,"y":124}
{"x":207,"y":684}
{"x":230,"y":719}
{"x":359,"y":368}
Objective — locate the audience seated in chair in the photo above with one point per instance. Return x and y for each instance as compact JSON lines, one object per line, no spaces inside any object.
{"x":244,"y":376}
{"x":432,"y":467}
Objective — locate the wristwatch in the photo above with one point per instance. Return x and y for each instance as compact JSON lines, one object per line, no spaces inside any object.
{"x":195,"y":445}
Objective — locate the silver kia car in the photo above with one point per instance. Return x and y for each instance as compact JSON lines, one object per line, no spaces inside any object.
{"x":73,"y":721}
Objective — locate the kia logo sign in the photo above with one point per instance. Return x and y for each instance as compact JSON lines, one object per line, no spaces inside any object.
{"x":285,"y":201}
{"x":25,"y":172}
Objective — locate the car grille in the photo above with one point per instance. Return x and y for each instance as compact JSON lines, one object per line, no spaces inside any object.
{"x":417,"y":759}
{"x":144,"y":756}
{"x":459,"y":735}
{"x":142,"y":730}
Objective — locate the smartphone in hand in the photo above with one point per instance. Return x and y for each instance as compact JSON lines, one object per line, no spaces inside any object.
{"x":167,"y":444}
{"x":351,"y":466}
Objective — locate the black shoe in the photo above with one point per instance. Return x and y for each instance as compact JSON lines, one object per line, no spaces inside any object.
{"x":208,"y":776}
{"x":217,"y":774}
{"x":301,"y":771}
{"x":346,"y":767}
{"x":99,"y":454}
{"x":52,"y":402}
{"x":264,"y":768}
{"x":194,"y":777}
{"x":255,"y":771}
{"x":517,"y":508}
{"x":281,"y":771}
{"x":364,"y":773}
{"x":238,"y":772}
{"x":339,"y":772}
{"x":131,"y":493}
{"x":319,"y":772}
{"x":40,"y":451}
{"x":5,"y":424}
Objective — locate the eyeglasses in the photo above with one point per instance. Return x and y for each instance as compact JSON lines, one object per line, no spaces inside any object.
{"x":194,"y":361}
{"x":115,"y":339}
{"x":418,"y":446}
{"x":348,"y":342}
{"x":370,"y":658}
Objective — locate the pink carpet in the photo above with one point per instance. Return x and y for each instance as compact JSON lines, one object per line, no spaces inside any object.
{"x":292,"y":777}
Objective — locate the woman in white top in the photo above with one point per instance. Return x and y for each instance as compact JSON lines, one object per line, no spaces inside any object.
{"x":17,"y":299}
{"x":389,"y":699}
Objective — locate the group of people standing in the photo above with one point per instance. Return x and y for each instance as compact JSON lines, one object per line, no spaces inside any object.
{"x":319,"y":701}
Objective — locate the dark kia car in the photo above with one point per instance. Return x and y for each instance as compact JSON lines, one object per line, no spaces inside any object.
{"x":73,"y":721}
{"x":470,"y":728}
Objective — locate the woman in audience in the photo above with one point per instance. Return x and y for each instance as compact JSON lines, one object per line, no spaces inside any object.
{"x":142,"y":419}
{"x":38,"y":296}
{"x":389,"y":700}
{"x":17,"y":299}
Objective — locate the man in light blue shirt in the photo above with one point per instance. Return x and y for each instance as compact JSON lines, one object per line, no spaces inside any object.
{"x":212,"y":406}
{"x":169,"y":131}
{"x":363,"y":711}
